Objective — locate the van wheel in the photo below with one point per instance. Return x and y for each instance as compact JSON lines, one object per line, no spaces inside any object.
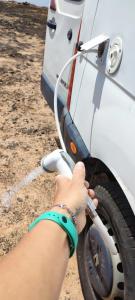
{"x":102,"y":275}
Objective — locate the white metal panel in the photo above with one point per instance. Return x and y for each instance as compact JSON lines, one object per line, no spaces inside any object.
{"x":117,"y":18}
{"x":103,"y":106}
{"x":114,"y":118}
{"x":70,"y":8}
{"x":58,"y":49}
{"x":85,"y":35}
{"x":112,"y":138}
{"x":83,"y":117}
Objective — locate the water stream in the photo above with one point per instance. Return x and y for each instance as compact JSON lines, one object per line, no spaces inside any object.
{"x":6,"y":198}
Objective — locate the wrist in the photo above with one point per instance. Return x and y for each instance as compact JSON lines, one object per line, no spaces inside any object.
{"x":72,"y":214}
{"x":64,"y":222}
{"x":60,"y":210}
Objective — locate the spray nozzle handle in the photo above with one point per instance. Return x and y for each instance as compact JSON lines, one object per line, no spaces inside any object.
{"x":58,"y":161}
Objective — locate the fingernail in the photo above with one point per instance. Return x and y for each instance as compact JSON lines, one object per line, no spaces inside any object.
{"x":80,"y":164}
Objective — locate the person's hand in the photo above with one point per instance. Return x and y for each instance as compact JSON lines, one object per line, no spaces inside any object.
{"x":73,"y":193}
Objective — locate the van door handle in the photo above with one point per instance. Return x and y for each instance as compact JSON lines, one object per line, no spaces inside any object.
{"x":52,"y":24}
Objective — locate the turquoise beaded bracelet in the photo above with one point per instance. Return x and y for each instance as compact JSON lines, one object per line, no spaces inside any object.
{"x":64,"y":222}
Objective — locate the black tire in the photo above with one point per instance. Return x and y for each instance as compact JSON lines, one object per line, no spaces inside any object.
{"x":113,"y":205}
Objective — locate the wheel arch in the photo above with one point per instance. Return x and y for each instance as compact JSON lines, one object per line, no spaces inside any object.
{"x":97,"y":171}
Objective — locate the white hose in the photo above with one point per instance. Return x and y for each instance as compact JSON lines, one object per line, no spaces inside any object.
{"x":56,"y":99}
{"x":84,"y":49}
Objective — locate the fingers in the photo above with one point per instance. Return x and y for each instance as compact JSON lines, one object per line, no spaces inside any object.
{"x":86,"y":183}
{"x":91,"y":193}
{"x":79,"y":173}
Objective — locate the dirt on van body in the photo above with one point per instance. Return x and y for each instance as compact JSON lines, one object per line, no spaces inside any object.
{"x":27,"y":127}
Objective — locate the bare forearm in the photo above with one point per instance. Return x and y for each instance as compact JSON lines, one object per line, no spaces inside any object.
{"x":36,"y":268}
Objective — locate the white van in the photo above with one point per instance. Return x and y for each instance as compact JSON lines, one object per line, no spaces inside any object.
{"x":97,"y":115}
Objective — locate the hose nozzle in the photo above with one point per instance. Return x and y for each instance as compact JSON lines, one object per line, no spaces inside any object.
{"x":58,"y":161}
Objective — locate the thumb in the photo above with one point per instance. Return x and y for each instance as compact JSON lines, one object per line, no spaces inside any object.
{"x":79,"y":173}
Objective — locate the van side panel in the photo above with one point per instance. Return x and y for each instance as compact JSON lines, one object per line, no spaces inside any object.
{"x":89,"y":13}
{"x":58,"y":50}
{"x":112,"y":139}
{"x":60,"y":46}
{"x":104,"y":108}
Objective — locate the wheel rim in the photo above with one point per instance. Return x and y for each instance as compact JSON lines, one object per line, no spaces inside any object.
{"x":104,"y":271}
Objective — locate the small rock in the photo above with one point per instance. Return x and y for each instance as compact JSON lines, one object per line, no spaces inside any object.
{"x":12,"y":145}
{"x":33,"y":213}
{"x":14,"y":107}
{"x":12,"y":71}
{"x":31,"y":59}
{"x":19,"y":199}
{"x":28,"y":64}
{"x":67,"y":292}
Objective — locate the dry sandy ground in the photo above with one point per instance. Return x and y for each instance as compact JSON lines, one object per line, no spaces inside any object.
{"x":27,"y":128}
